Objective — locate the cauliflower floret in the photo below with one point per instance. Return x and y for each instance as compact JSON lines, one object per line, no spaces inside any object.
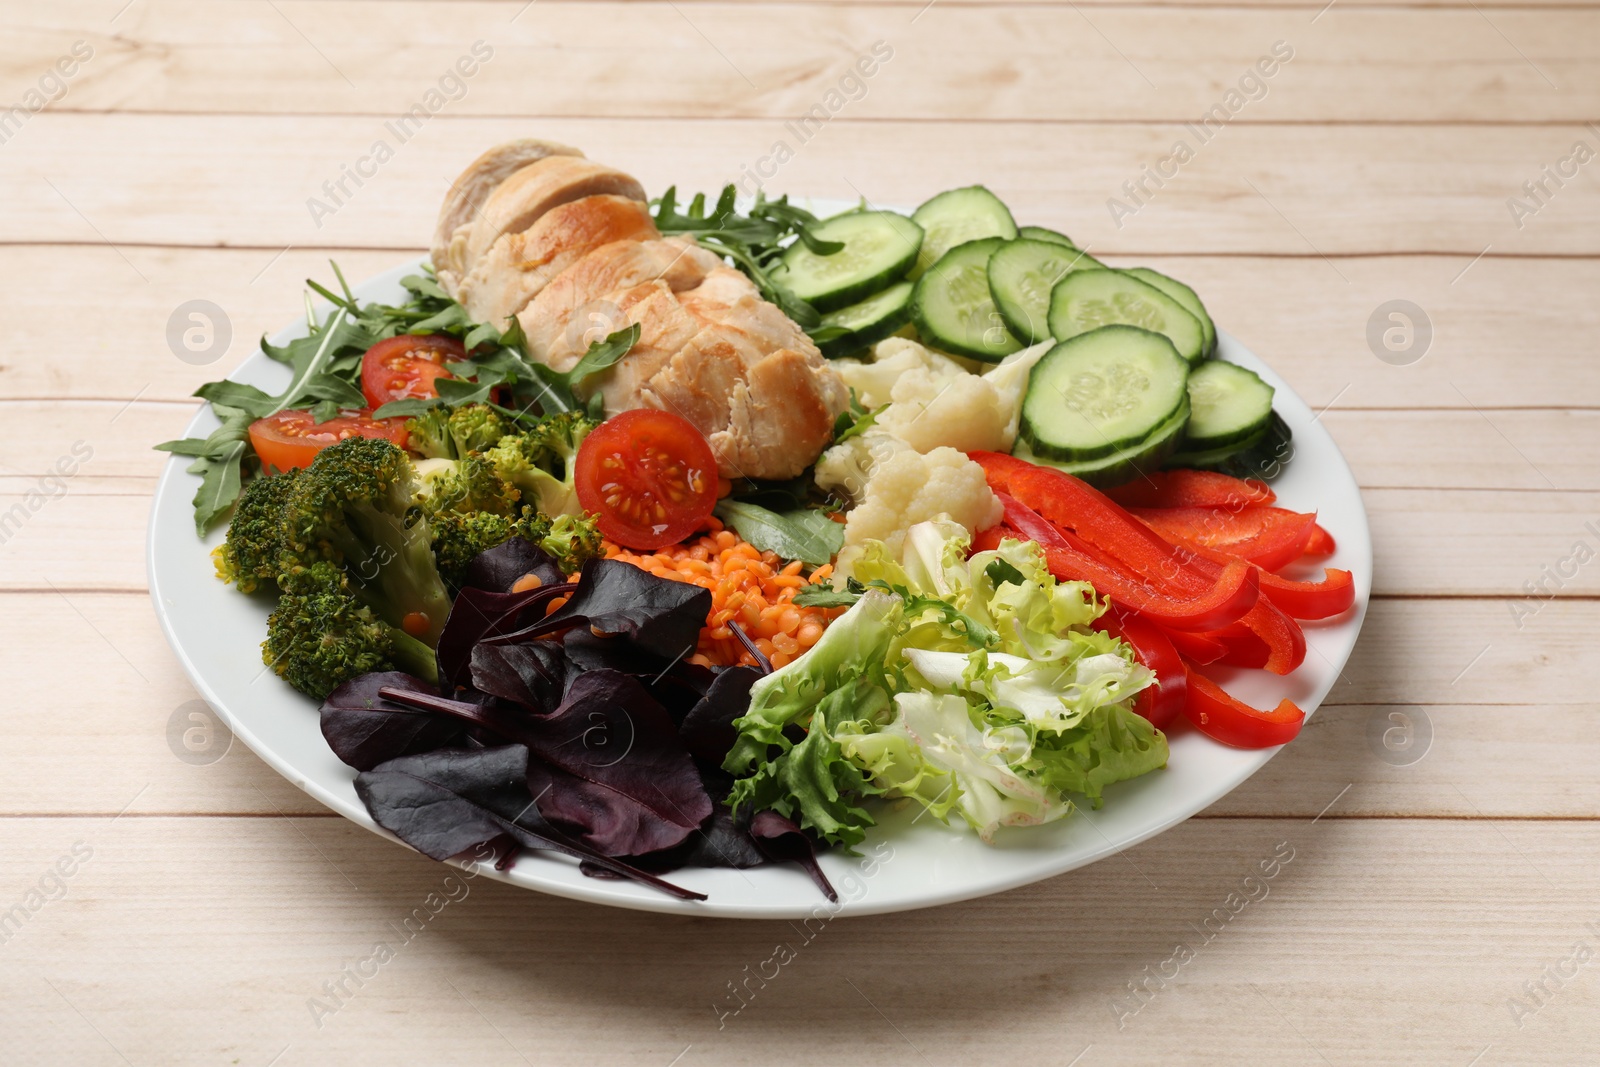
{"x":895,"y":487}
{"x":935,"y":401}
{"x":1009,"y":378}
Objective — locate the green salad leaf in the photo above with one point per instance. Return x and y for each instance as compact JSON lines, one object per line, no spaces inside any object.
{"x":805,"y":534}
{"x":972,"y":686}
{"x":326,"y":372}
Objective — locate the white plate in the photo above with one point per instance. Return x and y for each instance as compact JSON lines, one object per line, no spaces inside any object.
{"x":217,"y":634}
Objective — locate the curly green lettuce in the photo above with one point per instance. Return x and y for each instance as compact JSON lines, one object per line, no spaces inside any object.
{"x":973,"y":686}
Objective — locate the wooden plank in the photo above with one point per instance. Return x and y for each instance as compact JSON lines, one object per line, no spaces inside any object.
{"x":1523,"y":449}
{"x":1429,"y":542}
{"x":917,"y":5}
{"x":1164,"y":63}
{"x":1402,"y":760}
{"x":1295,"y":313}
{"x":241,"y":922}
{"x":246,"y":181}
{"x":1504,"y":703}
{"x":113,"y":733}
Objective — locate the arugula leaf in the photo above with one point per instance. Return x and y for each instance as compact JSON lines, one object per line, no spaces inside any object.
{"x":220,"y":479}
{"x":1000,"y":572}
{"x":855,"y":420}
{"x":803,"y":534}
{"x":239,"y":395}
{"x":409,"y":407}
{"x":753,"y":241}
{"x":603,"y":354}
{"x":976,"y":633}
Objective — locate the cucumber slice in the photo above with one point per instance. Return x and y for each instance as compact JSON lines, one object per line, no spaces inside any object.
{"x":1021,"y":275}
{"x":1211,"y":458}
{"x":1124,"y":466}
{"x":1102,"y":392}
{"x":1087,"y":299}
{"x":1265,"y":459}
{"x":879,"y":247}
{"x":1183,"y":295}
{"x":954,"y":310}
{"x":956,"y":217}
{"x":1231,"y":405}
{"x":1039,"y":233}
{"x":870,"y":321}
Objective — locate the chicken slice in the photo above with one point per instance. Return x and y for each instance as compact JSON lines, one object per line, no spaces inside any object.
{"x":781,"y":416}
{"x":583,"y":297}
{"x":747,"y":377}
{"x":519,"y":201}
{"x":468,"y":192}
{"x":519,"y":265}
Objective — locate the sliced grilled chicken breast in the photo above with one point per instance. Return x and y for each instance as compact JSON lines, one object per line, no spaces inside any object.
{"x":520,"y":200}
{"x":519,"y":265}
{"x":732,"y":364}
{"x":568,"y":246}
{"x":468,"y":193}
{"x":586,"y":295}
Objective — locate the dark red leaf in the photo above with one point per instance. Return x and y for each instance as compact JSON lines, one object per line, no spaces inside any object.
{"x":658,"y":615}
{"x":612,"y":770}
{"x":364,"y":729}
{"x":532,"y":674}
{"x":782,"y":841}
{"x":707,"y":730}
{"x":498,"y":569}
{"x":477,"y":615}
{"x":450,"y":801}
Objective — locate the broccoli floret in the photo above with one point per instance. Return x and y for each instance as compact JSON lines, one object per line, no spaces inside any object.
{"x":540,"y":461}
{"x":572,"y":541}
{"x":322,"y":635}
{"x":459,"y":537}
{"x":355,"y":508}
{"x":465,"y":486}
{"x":452,"y":433}
{"x":255,"y":533}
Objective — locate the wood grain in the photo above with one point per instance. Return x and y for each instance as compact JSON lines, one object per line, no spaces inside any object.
{"x":238,"y":947}
{"x":1304,"y":191}
{"x":719,"y":60}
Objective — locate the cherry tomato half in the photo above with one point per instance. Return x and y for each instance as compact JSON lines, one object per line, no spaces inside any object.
{"x":406,"y":367}
{"x":293,"y":438}
{"x":649,"y":476}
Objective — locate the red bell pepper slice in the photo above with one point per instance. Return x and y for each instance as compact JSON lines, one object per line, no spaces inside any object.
{"x":989,"y":540}
{"x":1271,"y":538}
{"x":1320,"y":543}
{"x":1202,"y":648}
{"x":1233,"y":722}
{"x":1192,"y":489}
{"x":1265,"y":638}
{"x":1093,"y":524}
{"x":1234,"y":592}
{"x":998,"y":468}
{"x":1161,"y":702}
{"x":1299,"y":600}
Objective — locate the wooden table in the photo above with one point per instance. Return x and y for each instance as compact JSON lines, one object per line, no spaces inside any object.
{"x":1441,"y":905}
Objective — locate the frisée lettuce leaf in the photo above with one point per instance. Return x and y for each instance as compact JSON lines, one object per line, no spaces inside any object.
{"x":973,"y":686}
